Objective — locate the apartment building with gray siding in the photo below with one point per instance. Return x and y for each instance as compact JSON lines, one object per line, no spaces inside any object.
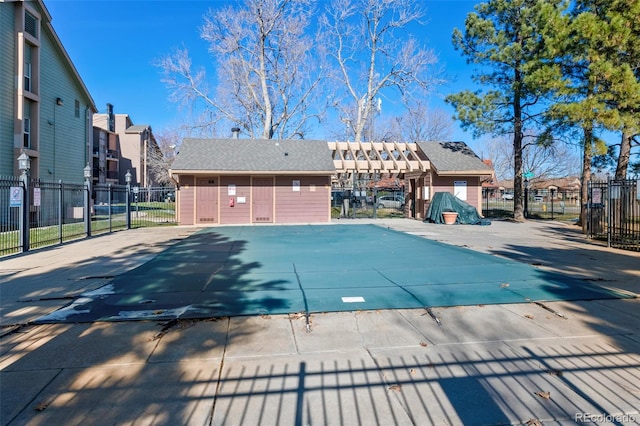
{"x":45,"y":108}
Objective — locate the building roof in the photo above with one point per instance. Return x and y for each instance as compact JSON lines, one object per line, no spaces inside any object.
{"x":489,"y":182}
{"x":453,"y":158}
{"x":137,"y":128}
{"x":257,"y":156}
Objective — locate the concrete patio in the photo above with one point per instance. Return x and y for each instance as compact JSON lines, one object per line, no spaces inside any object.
{"x":555,"y":362}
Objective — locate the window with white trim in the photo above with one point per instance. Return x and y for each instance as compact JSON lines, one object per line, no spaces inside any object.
{"x":27,"y":133}
{"x":26,"y":126}
{"x":27,"y":67}
{"x":27,"y":76}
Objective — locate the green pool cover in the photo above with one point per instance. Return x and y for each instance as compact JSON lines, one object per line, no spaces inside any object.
{"x":253,"y":270}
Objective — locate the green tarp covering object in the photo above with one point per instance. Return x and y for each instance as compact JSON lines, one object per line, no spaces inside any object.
{"x":447,"y":202}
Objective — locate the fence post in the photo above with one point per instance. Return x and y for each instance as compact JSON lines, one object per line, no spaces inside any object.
{"x":87,"y":207}
{"x":128,"y":205}
{"x":353,"y":193}
{"x":110,"y":200}
{"x":24,"y":212}
{"x":609,"y":211}
{"x":526,"y":198}
{"x":375,"y":195}
{"x":60,"y":208}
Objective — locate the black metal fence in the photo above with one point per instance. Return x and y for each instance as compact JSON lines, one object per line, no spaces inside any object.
{"x":109,"y":208}
{"x":613,"y":213}
{"x":613,"y":210}
{"x":559,"y":205}
{"x":56,"y":213}
{"x":35,"y":214}
{"x":367,"y":198}
{"x":152,"y":206}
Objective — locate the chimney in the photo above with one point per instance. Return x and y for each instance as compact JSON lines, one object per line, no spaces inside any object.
{"x":111,"y":118}
{"x":236,"y":132}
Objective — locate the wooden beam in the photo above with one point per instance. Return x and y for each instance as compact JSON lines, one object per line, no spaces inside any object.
{"x":367,"y":157}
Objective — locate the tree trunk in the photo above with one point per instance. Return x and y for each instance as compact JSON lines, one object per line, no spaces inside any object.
{"x":518,"y":196}
{"x":518,"y":210}
{"x":586,"y":174}
{"x":625,"y":153}
{"x":267,"y":129}
{"x":363,"y":109}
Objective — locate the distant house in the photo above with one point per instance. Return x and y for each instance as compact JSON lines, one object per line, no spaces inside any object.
{"x":566,"y":189}
{"x":561,"y":188}
{"x":45,"y":108}
{"x":224,"y":181}
{"x":454,"y":168}
{"x":490,"y":184}
{"x":242,"y":181}
{"x":121,"y":146}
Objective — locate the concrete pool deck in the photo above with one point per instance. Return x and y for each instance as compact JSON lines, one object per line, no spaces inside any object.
{"x":556,"y":362}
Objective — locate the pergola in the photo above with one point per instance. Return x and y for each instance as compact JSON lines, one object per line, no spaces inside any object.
{"x":366,"y":159}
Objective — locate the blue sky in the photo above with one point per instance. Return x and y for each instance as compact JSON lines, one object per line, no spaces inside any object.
{"x":114,"y":45}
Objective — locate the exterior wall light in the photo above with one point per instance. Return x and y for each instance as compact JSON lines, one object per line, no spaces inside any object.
{"x":59,"y":101}
{"x":87,"y":172}
{"x":24,"y":163}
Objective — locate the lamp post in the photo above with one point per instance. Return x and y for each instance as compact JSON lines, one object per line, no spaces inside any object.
{"x":526,"y":198}
{"x":59,"y":103}
{"x":87,"y":199}
{"x":24,"y":165}
{"x":127,"y":178}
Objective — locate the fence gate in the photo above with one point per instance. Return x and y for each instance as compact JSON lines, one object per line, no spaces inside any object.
{"x":614,"y":213}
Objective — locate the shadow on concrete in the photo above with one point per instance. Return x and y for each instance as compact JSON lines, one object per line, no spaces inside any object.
{"x":202,"y":276}
{"x":471,"y":385}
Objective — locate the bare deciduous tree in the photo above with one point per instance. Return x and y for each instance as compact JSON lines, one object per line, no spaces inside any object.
{"x":419,"y":123}
{"x":556,"y":160}
{"x":159,"y":160}
{"x":266,"y":76}
{"x":368,"y":42}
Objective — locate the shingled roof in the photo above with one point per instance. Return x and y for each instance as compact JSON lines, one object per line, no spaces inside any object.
{"x":256,"y":156}
{"x":453,"y":158}
{"x":137,"y":128}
